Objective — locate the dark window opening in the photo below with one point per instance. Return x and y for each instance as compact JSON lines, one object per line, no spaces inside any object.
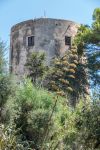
{"x":31,"y":41}
{"x":67,"y":40}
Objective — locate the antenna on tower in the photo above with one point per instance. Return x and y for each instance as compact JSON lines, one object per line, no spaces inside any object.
{"x":44,"y":14}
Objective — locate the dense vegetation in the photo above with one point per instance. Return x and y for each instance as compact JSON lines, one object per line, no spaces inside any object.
{"x":51,"y":109}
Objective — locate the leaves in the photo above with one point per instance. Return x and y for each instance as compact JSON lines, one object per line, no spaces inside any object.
{"x":3,"y":51}
{"x":62,"y":78}
{"x":36,"y":67}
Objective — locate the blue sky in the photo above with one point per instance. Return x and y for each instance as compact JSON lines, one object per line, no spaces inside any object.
{"x":14,"y":11}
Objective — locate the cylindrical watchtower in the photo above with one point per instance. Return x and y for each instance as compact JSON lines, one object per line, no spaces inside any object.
{"x":53,"y":36}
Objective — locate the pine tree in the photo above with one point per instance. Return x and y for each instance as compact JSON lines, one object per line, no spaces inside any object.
{"x":63,"y":73}
{"x":88,"y":41}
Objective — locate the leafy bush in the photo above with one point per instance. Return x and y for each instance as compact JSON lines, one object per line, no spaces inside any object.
{"x":88,"y":126}
{"x":5,"y":91}
{"x":44,"y":121}
{"x":8,"y":139}
{"x":35,"y":112}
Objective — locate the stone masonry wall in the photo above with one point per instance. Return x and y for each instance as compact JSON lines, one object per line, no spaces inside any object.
{"x":49,"y":36}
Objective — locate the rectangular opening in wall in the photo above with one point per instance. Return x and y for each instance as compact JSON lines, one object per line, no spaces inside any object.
{"x":31,"y":41}
{"x":68,"y":40}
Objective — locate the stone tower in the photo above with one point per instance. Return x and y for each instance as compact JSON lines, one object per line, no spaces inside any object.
{"x":52,"y":36}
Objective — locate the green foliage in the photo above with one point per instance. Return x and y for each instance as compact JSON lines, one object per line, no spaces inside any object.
{"x":93,"y":66}
{"x":88,"y":41}
{"x":96,"y":14}
{"x":31,"y":111}
{"x":81,"y":129}
{"x":94,"y":49}
{"x":96,"y":26}
{"x":36,"y":67}
{"x":82,"y":38}
{"x":44,"y":121}
{"x":5,"y":91}
{"x":87,"y":124}
{"x":68,"y":76}
{"x":63,"y":73}
{"x":2,"y":57}
{"x":9,"y":140}
{"x":5,"y":88}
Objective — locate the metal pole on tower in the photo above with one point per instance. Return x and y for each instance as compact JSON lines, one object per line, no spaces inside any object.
{"x":44,"y":14}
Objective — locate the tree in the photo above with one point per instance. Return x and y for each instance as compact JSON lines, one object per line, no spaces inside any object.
{"x":2,"y":57}
{"x":5,"y":84}
{"x":94,"y":49}
{"x":63,"y":78}
{"x":88,"y":42}
{"x":69,"y":77}
{"x":96,"y":27}
{"x":36,"y":67}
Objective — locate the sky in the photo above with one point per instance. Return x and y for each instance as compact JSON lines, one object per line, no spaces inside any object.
{"x":15,"y":11}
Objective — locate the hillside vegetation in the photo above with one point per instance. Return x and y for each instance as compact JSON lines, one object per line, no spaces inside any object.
{"x":55,"y":107}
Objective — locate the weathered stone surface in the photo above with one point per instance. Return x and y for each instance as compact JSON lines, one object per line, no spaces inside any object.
{"x":49,"y":36}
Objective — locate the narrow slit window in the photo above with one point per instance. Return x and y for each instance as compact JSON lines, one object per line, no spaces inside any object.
{"x":31,"y":41}
{"x":67,"y":40}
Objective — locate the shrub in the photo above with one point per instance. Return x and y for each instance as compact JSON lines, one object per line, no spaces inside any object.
{"x":35,"y":114}
{"x":8,"y":139}
{"x":45,"y":121}
{"x":5,"y":91}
